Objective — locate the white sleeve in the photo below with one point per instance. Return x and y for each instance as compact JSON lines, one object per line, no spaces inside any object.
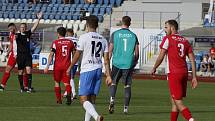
{"x":166,"y":44}
{"x":15,"y":48}
{"x":80,"y":44}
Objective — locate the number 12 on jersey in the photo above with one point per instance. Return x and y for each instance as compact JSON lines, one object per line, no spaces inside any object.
{"x":96,"y":48}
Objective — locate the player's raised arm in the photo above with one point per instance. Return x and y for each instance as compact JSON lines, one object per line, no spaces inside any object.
{"x":39,"y":16}
{"x":194,"y":82}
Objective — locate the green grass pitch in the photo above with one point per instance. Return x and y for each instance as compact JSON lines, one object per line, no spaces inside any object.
{"x":149,"y":102}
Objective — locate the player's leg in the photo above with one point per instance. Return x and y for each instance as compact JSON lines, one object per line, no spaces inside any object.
{"x":66,"y":79}
{"x":57,"y":77}
{"x":72,"y":83}
{"x":115,"y":75}
{"x":178,"y":86}
{"x":28,"y":67}
{"x":87,"y":87}
{"x":174,"y":111}
{"x":10,"y":65}
{"x":25,"y":80}
{"x":127,"y":80}
{"x":21,"y":66}
{"x":90,"y":109}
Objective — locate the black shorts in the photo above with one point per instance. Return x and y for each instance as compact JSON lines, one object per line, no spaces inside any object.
{"x":125,"y":74}
{"x":24,"y":60}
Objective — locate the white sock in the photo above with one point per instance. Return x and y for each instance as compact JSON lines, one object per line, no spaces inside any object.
{"x":90,"y":109}
{"x":73,"y":87}
{"x":191,"y":119}
{"x":87,"y":116}
{"x":111,"y":99}
{"x":65,"y":93}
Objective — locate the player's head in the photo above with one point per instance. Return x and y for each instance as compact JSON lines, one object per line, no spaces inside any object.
{"x":11,"y":27}
{"x":61,"y":31}
{"x":92,"y":22}
{"x":126,"y":21}
{"x":23,"y":27}
{"x":70,"y":32}
{"x":171,"y":27}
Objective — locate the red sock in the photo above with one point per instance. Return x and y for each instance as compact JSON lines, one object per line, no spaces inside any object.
{"x":174,"y":116}
{"x":186,"y":114}
{"x":58,"y":93}
{"x":25,"y":79}
{"x":68,"y":89}
{"x":5,"y":78}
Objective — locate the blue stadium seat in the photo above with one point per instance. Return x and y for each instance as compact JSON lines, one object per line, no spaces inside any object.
{"x":76,"y":1}
{"x":96,"y":11}
{"x":53,"y":1}
{"x":59,"y":1}
{"x":74,"y":5}
{"x":51,"y":16}
{"x":11,"y":15}
{"x":69,"y":17}
{"x":106,"y":2}
{"x":28,"y":16}
{"x":101,"y":18}
{"x":63,"y":17}
{"x":112,"y":2}
{"x":100,"y":2}
{"x":5,"y":15}
{"x":90,"y":10}
{"x":80,"y":5}
{"x":4,"y":8}
{"x":1,"y":15}
{"x":92,"y":5}
{"x":108,"y":10}
{"x":66,"y":9}
{"x":102,"y":11}
{"x":33,"y":16}
{"x":17,"y":15}
{"x":81,"y":1}
{"x":45,"y":16}
{"x":118,"y":2}
{"x":57,"y":16}
{"x":60,"y":8}
{"x":22,"y":16}
{"x":86,"y":5}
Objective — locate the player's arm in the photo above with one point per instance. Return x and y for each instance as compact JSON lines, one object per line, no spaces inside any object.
{"x":49,"y":61}
{"x":107,"y":68}
{"x":39,"y":16}
{"x":159,"y":60}
{"x":74,"y":60}
{"x":110,"y":49}
{"x":14,"y":48}
{"x":194,"y":82}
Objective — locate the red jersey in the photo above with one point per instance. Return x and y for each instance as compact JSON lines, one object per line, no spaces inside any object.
{"x":177,"y":49}
{"x":12,"y":39}
{"x":212,"y":51}
{"x":62,"y":48}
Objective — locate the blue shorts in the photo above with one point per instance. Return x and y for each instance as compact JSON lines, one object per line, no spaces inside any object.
{"x":90,"y":82}
{"x":73,"y":71}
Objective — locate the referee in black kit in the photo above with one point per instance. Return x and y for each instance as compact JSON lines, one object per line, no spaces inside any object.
{"x":22,"y":52}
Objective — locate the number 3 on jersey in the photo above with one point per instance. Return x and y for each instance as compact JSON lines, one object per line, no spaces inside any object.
{"x":94,"y":48}
{"x":64,"y":50}
{"x":181,"y":49}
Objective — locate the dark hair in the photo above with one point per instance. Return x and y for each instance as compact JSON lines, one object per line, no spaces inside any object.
{"x":70,"y":31}
{"x":24,"y":24}
{"x":126,"y":20}
{"x":61,"y":31}
{"x":92,"y":21}
{"x":11,"y":24}
{"x":173,"y":23}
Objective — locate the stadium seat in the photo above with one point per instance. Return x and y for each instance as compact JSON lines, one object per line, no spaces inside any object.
{"x":53,"y":21}
{"x":1,"y":20}
{"x":24,"y":20}
{"x":47,"y":21}
{"x":7,"y":20}
{"x":59,"y":22}
{"x":18,"y":20}
{"x":12,"y":20}
{"x":75,"y":27}
{"x":82,"y":25}
{"x":118,"y":2}
{"x":109,"y":10}
{"x":69,"y":25}
{"x":76,"y":1}
{"x":112,"y":2}
{"x":29,"y":21}
{"x":106,"y":2}
{"x":102,"y":11}
{"x":42,"y":21}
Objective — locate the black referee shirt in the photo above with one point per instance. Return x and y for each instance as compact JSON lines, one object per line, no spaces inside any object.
{"x":23,"y":42}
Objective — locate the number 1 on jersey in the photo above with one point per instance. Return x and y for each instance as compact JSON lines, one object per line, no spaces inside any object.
{"x":125,"y":44}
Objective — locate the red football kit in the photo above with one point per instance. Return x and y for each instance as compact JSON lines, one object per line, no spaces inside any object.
{"x":177,"y":49}
{"x":11,"y":59}
{"x":62,"y":48}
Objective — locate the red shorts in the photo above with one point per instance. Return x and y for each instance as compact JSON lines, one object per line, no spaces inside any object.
{"x":11,"y":60}
{"x":60,"y":75}
{"x":178,"y":85}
